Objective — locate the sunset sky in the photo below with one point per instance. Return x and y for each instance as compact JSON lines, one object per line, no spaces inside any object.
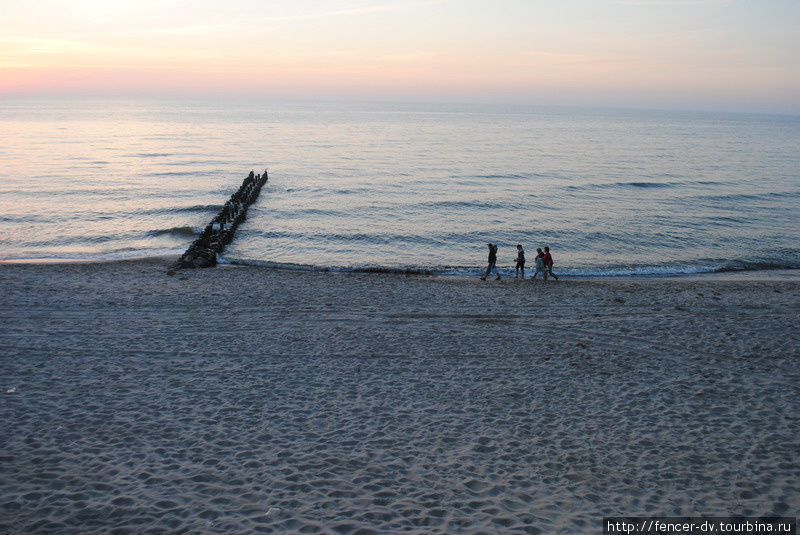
{"x":695,"y":54}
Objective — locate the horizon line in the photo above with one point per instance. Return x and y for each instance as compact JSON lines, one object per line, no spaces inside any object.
{"x":399,"y":100}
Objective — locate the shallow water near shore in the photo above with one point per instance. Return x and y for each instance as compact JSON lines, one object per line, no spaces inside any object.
{"x":407,"y":188}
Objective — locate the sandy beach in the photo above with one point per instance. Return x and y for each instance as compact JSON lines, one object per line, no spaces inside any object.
{"x":246,"y":399}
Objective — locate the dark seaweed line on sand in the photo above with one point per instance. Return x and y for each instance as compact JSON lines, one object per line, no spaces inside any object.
{"x":219,"y":232}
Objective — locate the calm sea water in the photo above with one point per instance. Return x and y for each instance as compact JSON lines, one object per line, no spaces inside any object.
{"x":403,"y":186}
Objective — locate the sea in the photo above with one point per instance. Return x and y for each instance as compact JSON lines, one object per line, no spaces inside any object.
{"x":406,"y":187}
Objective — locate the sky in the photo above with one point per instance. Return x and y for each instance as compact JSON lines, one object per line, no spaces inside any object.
{"x":678,"y":54}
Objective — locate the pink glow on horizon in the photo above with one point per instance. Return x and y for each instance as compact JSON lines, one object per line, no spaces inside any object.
{"x":667,"y":53}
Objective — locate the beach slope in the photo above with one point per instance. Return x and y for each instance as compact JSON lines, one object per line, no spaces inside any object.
{"x":245,"y":399}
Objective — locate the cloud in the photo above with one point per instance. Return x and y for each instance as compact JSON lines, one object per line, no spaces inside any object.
{"x":192,"y":29}
{"x":254,"y":24}
{"x":557,"y":55}
{"x":385,"y":7}
{"x":676,"y":3}
{"x":360,"y":10}
{"x":542,"y":57}
{"x":41,"y":45}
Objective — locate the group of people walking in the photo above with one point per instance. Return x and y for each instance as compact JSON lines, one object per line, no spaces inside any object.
{"x":544,"y":263}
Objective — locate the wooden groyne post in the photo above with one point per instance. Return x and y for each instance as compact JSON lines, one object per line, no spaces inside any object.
{"x":202,"y":253}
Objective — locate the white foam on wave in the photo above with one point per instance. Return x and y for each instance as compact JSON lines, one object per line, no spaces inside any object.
{"x":507,"y":271}
{"x":122,"y":254}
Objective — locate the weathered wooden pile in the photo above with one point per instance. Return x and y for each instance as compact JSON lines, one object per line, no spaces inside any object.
{"x":202,"y":253}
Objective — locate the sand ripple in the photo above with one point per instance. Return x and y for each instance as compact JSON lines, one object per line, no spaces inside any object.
{"x":137,"y":411}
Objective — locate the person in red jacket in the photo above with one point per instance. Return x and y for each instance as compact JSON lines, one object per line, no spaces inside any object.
{"x":548,"y":263}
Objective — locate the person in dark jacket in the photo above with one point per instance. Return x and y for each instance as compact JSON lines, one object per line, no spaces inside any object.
{"x":492,"y":262}
{"x":520,"y":265}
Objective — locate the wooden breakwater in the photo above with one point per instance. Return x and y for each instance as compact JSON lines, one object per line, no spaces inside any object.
{"x":202,"y":253}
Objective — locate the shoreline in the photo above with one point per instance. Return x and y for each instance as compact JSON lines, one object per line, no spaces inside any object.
{"x":755,"y":274}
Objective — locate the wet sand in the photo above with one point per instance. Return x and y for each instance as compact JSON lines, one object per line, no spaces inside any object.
{"x":245,"y":399}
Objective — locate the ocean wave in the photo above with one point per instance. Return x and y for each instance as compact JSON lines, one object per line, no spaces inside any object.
{"x":189,"y":163}
{"x":125,"y":253}
{"x":723,"y":221}
{"x":470,"y":271}
{"x":308,"y":212}
{"x":26,"y":218}
{"x":515,"y":176}
{"x":176,"y":231}
{"x":462,"y":204}
{"x":174,"y":173}
{"x":356,"y":237}
{"x":747,"y":196}
{"x":76,"y":192}
{"x":62,"y":240}
{"x":643,"y":184}
{"x":643,"y":271}
{"x":757,"y":265}
{"x":182,"y":209}
{"x":199,"y":208}
{"x":399,"y":270}
{"x":347,"y":191}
